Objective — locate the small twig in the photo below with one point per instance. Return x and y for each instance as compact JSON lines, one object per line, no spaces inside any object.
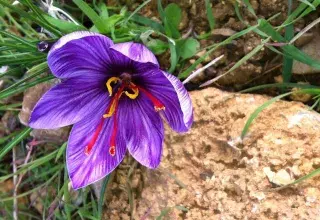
{"x":305,"y":30}
{"x":188,"y":33}
{"x":15,"y":200}
{"x":194,"y":74}
{"x":25,"y":162}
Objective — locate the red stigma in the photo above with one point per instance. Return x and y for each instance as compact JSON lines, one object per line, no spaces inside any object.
{"x":157,"y":104}
{"x":112,"y":109}
{"x":94,"y":138}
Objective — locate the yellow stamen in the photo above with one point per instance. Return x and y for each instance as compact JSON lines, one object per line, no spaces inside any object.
{"x":133,"y":95}
{"x":108,"y":84}
{"x":111,"y":110}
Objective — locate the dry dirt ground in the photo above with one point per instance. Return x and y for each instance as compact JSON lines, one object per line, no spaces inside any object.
{"x":209,"y":174}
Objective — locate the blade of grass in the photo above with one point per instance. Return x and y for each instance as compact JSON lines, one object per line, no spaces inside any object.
{"x":290,"y":50}
{"x":92,"y":15}
{"x":250,"y":8}
{"x":24,"y":87}
{"x":24,"y":133}
{"x":280,"y":85}
{"x":19,"y":39}
{"x":287,"y":61}
{"x":315,"y":91}
{"x":308,"y":3}
{"x":61,"y":151}
{"x":187,"y":72}
{"x":31,"y":165}
{"x":11,"y":107}
{"x":238,"y":64}
{"x":173,"y":57}
{"x":302,"y":10}
{"x":31,"y":17}
{"x":102,"y":192}
{"x":33,"y":72}
{"x":209,"y":13}
{"x":136,"y":10}
{"x":147,"y":22}
{"x":30,"y":191}
{"x":306,"y":177}
{"x":27,"y":60}
{"x":258,"y":110}
{"x":66,"y":195}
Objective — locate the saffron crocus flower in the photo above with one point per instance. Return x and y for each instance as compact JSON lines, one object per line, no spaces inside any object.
{"x":116,"y":96}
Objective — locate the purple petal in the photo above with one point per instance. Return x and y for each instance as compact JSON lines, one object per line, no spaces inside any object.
{"x":135,"y":51}
{"x":142,"y":128}
{"x":80,"y":53}
{"x":86,"y":169}
{"x":184,"y":99}
{"x":69,"y":102}
{"x":171,"y":92}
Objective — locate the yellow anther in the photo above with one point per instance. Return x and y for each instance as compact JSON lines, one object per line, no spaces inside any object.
{"x":111,"y":110}
{"x":108,"y":84}
{"x":133,"y":95}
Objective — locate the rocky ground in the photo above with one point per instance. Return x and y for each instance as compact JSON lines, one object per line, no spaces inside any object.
{"x":209,"y":173}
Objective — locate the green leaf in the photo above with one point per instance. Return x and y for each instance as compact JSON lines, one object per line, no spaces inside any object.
{"x":187,"y":48}
{"x":288,"y":62}
{"x":173,"y":57}
{"x":147,"y":22}
{"x":111,"y":21}
{"x":172,"y":20}
{"x":210,"y":16}
{"x":92,"y":15}
{"x":173,"y":14}
{"x":157,"y":46}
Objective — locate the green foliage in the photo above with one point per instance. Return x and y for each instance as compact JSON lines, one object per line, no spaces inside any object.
{"x":157,"y":46}
{"x":94,"y":17}
{"x":172,"y":20}
{"x":187,"y":48}
{"x":210,"y":15}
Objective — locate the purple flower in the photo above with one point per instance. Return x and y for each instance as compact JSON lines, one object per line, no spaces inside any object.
{"x":116,"y":97}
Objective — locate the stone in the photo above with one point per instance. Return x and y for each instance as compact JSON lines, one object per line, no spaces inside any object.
{"x":203,"y":176}
{"x":30,"y":99}
{"x":298,"y":96}
{"x":313,"y":50}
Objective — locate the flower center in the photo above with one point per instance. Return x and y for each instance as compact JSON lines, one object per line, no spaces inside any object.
{"x":123,"y":85}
